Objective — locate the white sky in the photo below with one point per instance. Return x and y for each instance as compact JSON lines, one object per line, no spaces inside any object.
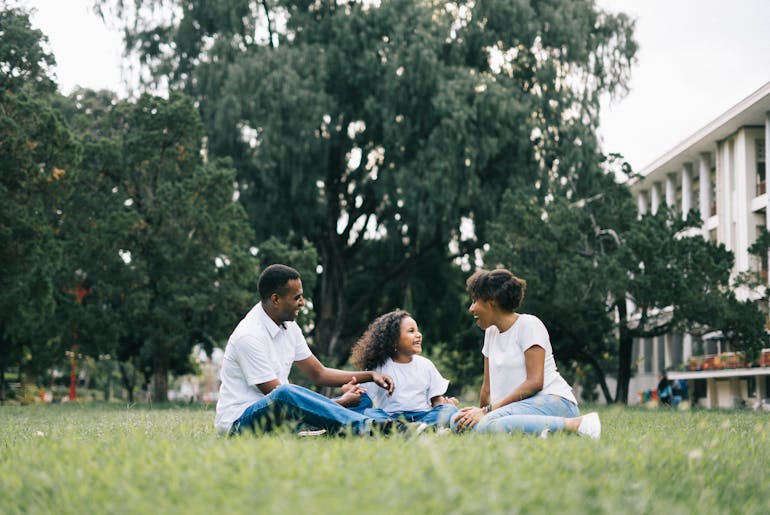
{"x":697,"y":58}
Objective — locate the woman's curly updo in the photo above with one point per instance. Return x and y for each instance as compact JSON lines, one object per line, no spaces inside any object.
{"x":378,"y":343}
{"x":499,"y":285}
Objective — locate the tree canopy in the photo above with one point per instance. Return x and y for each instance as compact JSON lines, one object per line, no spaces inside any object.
{"x":385,"y":133}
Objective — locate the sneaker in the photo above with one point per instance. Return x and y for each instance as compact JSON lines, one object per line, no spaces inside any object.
{"x":311,"y":432}
{"x":545,"y":433}
{"x":421,"y":429}
{"x":590,"y":426}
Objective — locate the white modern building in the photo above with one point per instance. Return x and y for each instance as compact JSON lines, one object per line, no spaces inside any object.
{"x":720,"y":169}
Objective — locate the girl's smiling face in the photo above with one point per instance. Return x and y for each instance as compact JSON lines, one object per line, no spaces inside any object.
{"x":410,"y":340}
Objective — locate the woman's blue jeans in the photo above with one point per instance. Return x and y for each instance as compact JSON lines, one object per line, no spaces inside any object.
{"x":532,"y":415}
{"x":290,"y":403}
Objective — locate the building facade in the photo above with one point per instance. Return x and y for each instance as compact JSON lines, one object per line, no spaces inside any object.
{"x":721,"y":170}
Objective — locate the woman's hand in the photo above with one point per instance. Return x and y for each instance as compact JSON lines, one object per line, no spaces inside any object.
{"x":442,"y":399}
{"x":469,"y":417}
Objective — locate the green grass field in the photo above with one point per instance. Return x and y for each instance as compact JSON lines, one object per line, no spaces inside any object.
{"x":93,"y":458}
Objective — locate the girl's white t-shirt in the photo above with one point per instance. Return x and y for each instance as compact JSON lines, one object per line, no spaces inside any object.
{"x":417,"y":382}
{"x":507,"y":369}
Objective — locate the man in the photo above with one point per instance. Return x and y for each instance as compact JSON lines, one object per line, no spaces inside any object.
{"x":255,"y":390}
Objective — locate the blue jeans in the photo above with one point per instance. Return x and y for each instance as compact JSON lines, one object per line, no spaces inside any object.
{"x":438,"y":416}
{"x":531,"y":415}
{"x":296,"y":404}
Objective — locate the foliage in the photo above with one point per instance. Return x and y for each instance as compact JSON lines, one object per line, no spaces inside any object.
{"x":37,"y":158}
{"x":379,"y":131}
{"x":154,"y":234}
{"x":75,"y":459}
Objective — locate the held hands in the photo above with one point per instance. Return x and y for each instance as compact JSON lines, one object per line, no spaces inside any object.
{"x":384,"y":381}
{"x":469,"y":417}
{"x":351,"y":394}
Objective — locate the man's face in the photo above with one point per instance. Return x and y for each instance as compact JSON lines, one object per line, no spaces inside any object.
{"x":289,"y":304}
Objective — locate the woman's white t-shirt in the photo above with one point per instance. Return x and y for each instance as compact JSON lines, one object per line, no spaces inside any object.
{"x":417,"y":382}
{"x":507,"y":369}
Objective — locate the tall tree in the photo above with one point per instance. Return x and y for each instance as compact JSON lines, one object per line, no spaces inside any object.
{"x":154,"y":234}
{"x":37,"y":154}
{"x":391,"y":125}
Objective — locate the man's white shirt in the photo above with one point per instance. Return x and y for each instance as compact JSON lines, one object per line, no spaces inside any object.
{"x":258,"y":351}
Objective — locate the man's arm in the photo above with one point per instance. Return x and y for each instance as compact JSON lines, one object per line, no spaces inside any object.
{"x":269,"y":386}
{"x":324,"y":376}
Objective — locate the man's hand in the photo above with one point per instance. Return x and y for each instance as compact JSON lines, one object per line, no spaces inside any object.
{"x":384,"y":381}
{"x":469,"y":417}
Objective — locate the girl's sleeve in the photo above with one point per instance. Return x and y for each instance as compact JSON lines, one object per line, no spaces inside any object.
{"x":437,"y":383}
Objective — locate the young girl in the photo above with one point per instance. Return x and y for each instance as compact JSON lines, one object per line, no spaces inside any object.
{"x":391,"y":345}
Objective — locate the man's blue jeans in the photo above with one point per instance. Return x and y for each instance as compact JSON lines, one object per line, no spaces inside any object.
{"x":531,"y":415}
{"x":296,"y":404}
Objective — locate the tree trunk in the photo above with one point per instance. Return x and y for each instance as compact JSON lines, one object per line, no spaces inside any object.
{"x":330,"y":303}
{"x":160,"y":379}
{"x":128,"y":381}
{"x":624,"y":353}
{"x":602,"y":379}
{"x":2,"y":383}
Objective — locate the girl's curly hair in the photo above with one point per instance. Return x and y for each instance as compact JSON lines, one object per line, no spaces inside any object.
{"x":378,"y":343}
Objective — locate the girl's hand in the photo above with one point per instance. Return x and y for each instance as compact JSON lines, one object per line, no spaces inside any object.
{"x":441,"y":399}
{"x":469,"y":417}
{"x":350,"y":398}
{"x":352,"y":386}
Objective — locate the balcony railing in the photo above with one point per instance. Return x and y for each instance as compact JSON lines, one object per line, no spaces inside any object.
{"x":727,"y":360}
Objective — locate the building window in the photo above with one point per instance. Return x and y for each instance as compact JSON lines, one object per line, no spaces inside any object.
{"x":761,"y":176}
{"x":713,"y":185}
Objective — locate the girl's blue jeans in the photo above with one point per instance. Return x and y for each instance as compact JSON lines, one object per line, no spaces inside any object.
{"x":532,"y":415}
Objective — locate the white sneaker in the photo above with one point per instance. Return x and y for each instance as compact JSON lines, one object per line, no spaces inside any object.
{"x":545,"y":433}
{"x":590,"y":426}
{"x":421,"y":429}
{"x":311,"y":432}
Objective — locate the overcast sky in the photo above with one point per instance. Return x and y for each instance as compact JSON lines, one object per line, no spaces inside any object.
{"x":697,"y":58}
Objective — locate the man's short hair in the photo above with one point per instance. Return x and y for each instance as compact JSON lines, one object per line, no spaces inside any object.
{"x":274,"y":279}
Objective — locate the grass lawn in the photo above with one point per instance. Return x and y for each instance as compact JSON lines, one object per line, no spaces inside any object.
{"x":94,"y":458}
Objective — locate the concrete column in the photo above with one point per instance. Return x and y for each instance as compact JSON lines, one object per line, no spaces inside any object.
{"x":704,"y":181}
{"x":686,"y":189}
{"x":671,"y":190}
{"x":686,"y":347}
{"x":641,"y":202}
{"x":767,"y":172}
{"x":744,"y":192}
{"x":724,"y":194}
{"x":654,"y":197}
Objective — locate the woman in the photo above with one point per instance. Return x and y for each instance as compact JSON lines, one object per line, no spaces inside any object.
{"x":522,"y":390}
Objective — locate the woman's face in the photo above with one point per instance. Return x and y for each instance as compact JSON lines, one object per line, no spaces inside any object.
{"x":484,"y":312}
{"x":410,"y":341}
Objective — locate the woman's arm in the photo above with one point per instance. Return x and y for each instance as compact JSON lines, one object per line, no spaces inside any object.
{"x":471,"y":415}
{"x":534,"y":360}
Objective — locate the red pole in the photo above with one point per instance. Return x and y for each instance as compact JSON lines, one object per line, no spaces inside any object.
{"x":73,"y":372}
{"x":80,"y":293}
